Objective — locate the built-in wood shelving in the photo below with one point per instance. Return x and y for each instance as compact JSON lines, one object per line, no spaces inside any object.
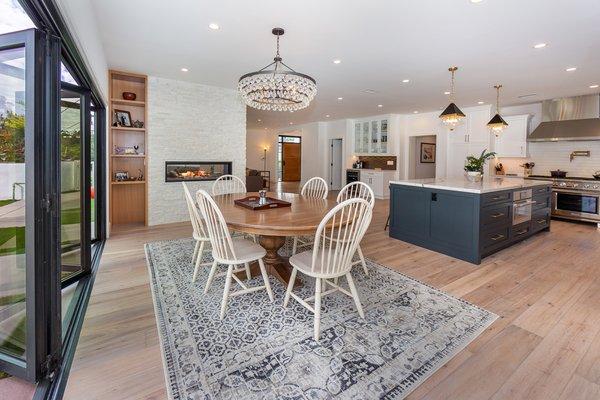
{"x":128,"y":199}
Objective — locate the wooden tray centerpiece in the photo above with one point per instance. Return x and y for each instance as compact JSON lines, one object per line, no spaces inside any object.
{"x":253,"y":203}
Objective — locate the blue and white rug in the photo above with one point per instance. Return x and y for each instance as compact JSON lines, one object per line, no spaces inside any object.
{"x":263,"y":351}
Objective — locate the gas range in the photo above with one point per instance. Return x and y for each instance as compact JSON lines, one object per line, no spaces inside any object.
{"x":575,"y":183}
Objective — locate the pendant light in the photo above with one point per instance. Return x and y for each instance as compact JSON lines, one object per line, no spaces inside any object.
{"x":277,"y":87}
{"x":452,"y":115}
{"x":497,"y":124}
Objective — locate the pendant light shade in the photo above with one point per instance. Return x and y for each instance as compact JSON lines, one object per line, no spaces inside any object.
{"x":452,"y":115}
{"x":497,"y":124}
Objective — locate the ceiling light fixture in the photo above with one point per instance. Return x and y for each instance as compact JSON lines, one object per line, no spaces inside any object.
{"x":337,"y":61}
{"x":539,"y":45}
{"x":327,"y":116}
{"x":452,"y":115}
{"x":593,"y":86}
{"x":415,"y":112}
{"x":259,"y":120}
{"x":480,"y":102}
{"x":213,"y":26}
{"x":405,"y":80}
{"x":291,"y":123}
{"x":476,"y":1}
{"x":340,"y":98}
{"x":279,"y":88}
{"x":184,"y":70}
{"x":379,"y":105}
{"x":497,"y":124}
{"x":571,"y":69}
{"x":446,"y":93}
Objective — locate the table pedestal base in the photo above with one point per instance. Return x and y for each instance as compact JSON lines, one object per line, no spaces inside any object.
{"x":276,"y":265}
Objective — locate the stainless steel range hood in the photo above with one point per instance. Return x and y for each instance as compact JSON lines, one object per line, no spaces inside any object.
{"x":569,"y":118}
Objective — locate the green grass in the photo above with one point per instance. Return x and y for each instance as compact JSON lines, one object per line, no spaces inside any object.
{"x":6,"y":202}
{"x":12,"y":299}
{"x":7,"y":234}
{"x":15,"y":343}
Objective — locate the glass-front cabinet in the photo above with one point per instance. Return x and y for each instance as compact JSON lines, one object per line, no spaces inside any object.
{"x":371,"y":137}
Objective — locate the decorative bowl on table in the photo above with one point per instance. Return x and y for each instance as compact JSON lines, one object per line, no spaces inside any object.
{"x":129,"y":96}
{"x":474,"y":176}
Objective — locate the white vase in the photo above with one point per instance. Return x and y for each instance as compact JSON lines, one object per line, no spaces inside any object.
{"x":474,"y":176}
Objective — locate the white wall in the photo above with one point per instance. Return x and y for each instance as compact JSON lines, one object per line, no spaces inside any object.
{"x":189,"y":122}
{"x":81,"y":21}
{"x":256,"y":141}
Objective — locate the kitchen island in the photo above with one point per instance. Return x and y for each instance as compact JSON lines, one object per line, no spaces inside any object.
{"x":468,"y":220}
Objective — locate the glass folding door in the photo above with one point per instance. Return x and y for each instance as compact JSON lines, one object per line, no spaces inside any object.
{"x":29,"y":268}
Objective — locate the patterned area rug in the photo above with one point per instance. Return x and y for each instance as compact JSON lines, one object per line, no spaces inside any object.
{"x":263,"y":351}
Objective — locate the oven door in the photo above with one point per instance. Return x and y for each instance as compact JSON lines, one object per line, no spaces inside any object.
{"x":573,"y":204}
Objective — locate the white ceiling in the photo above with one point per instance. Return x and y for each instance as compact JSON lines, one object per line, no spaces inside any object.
{"x":380,"y":43}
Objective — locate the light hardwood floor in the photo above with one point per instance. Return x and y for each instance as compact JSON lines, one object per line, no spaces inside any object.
{"x":545,"y":345}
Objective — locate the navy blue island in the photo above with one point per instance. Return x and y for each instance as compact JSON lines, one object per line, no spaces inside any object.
{"x":468,"y":220}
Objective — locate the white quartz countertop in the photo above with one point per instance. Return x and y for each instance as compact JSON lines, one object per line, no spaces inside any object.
{"x":488,"y":184}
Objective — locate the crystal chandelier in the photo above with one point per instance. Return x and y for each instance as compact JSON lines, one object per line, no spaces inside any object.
{"x":497,"y":124}
{"x":277,"y":87}
{"x":452,"y":115}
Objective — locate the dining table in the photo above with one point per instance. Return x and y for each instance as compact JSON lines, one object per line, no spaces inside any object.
{"x":273,"y":226}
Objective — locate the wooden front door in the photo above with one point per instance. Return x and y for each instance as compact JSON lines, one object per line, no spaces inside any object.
{"x":291,"y":162}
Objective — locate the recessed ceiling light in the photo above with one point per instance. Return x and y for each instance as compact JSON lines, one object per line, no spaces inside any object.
{"x":379,"y":105}
{"x":415,"y":112}
{"x":405,"y":80}
{"x":340,"y":98}
{"x":539,"y":46}
{"x":259,"y":120}
{"x":593,"y":86}
{"x":446,"y":92}
{"x":184,"y":70}
{"x":370,"y":91}
{"x":337,"y":61}
{"x":327,"y":116}
{"x":476,"y":1}
{"x":291,"y":123}
{"x":480,"y":102}
{"x":213,"y":26}
{"x":571,"y":69}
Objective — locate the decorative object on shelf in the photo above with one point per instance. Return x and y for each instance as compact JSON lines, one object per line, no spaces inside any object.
{"x":427,"y":153}
{"x":474,"y":165}
{"x":558,"y":174}
{"x":279,"y":88}
{"x":452,"y":115}
{"x":140,"y":176}
{"x":528,"y":168}
{"x":119,"y":150}
{"x":121,"y":176}
{"x":123,"y":118}
{"x":500,"y":169}
{"x":497,"y":124}
{"x":129,"y":96}
{"x":137,"y":124}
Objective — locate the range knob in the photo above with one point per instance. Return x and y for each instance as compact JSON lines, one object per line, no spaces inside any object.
{"x":596,"y":187}
{"x":562,"y":183}
{"x":586,"y":186}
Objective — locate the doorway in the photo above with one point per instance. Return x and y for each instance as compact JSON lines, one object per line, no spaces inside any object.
{"x":422,"y":157}
{"x":335,"y":164}
{"x":289,"y":158}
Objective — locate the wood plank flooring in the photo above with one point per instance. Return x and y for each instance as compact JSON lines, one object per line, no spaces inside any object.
{"x":546,"y":345}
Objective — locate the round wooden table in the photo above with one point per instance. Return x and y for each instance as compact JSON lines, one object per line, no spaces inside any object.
{"x":274,"y":225}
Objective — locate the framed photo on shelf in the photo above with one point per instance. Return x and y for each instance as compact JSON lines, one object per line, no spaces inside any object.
{"x":123,"y":118}
{"x":427,"y":153}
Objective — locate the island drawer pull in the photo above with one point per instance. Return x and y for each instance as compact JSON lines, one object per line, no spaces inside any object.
{"x":497,"y":215}
{"x":524,"y":231}
{"x":497,"y":237}
{"x":542,"y":221}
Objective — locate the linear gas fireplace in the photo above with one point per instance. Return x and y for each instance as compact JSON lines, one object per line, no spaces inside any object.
{"x":177,"y":171}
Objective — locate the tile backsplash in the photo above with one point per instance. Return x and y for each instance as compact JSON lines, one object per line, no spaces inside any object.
{"x":555,"y":155}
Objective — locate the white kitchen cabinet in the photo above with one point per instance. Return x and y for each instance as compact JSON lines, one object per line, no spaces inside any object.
{"x":470,"y":138}
{"x":371,"y":137}
{"x":512,"y":142}
{"x":378,"y":181}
